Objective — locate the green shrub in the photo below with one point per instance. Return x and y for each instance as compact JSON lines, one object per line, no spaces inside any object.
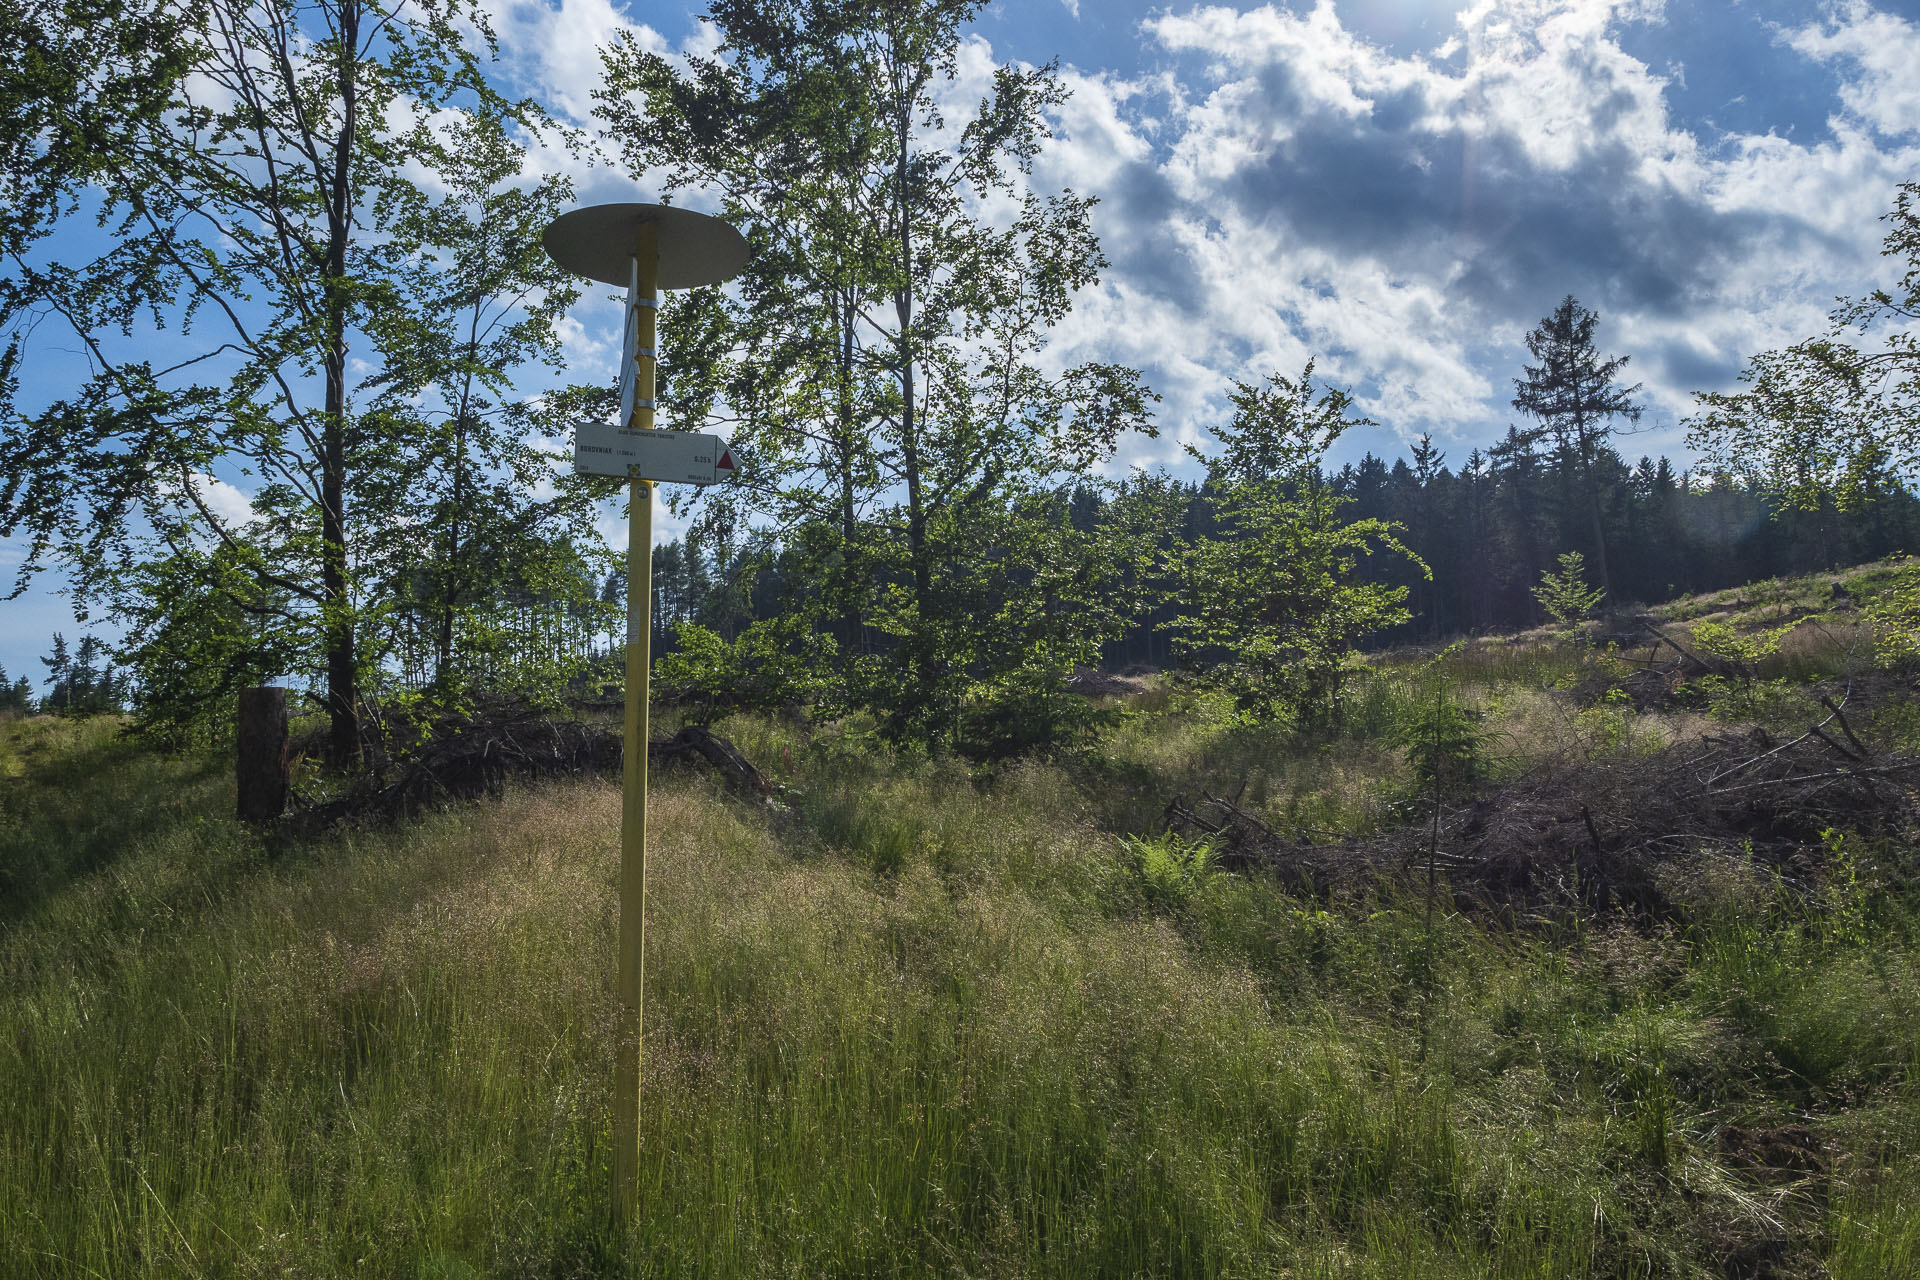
{"x":1741,"y":649}
{"x":1738,"y":701}
{"x":1027,"y":710}
{"x":1445,"y":745}
{"x":1894,"y":613}
{"x":1565,"y":595}
{"x":772,"y":662}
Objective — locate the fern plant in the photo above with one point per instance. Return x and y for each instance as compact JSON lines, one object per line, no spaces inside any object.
{"x":1169,"y":867}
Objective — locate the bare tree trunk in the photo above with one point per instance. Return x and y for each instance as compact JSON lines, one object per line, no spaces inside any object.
{"x":343,"y":694}
{"x":909,"y":428}
{"x":1597,"y":526}
{"x":850,"y":618}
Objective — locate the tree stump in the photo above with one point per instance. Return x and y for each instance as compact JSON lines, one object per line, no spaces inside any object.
{"x":261,"y":766}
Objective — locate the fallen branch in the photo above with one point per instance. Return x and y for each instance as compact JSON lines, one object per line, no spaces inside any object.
{"x":1845,"y":728}
{"x":1838,"y":750}
{"x":1907,"y":766}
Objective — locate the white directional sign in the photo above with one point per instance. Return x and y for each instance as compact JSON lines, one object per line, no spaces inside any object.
{"x":674,"y":457}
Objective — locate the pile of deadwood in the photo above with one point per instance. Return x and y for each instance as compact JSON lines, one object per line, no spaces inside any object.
{"x":1660,"y":666}
{"x":466,"y":757}
{"x":1594,"y":837}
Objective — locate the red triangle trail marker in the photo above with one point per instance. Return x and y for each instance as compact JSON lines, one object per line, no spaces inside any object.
{"x":726,"y":461}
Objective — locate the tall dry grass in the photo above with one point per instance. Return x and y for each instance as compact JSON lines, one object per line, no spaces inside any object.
{"x":922,"y":1022}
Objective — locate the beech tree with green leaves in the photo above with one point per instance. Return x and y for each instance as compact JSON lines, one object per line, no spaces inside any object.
{"x":1834,"y":419}
{"x":1274,"y":606}
{"x":78,"y":80}
{"x":878,"y":365}
{"x":317,"y":265}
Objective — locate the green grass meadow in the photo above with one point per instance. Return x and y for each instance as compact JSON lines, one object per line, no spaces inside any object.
{"x":924,"y":1022}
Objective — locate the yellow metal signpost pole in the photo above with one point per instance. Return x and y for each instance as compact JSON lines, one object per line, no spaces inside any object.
{"x":643,"y":248}
{"x":642,"y":307}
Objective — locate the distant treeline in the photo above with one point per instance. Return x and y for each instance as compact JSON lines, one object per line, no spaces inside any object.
{"x":81,"y":682}
{"x":1487,"y":530}
{"x":1490,"y":529}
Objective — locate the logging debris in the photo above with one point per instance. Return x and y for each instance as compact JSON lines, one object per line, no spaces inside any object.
{"x":468,"y":758}
{"x":1601,"y":837}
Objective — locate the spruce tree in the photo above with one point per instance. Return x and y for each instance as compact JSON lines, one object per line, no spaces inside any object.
{"x":1573,"y":393}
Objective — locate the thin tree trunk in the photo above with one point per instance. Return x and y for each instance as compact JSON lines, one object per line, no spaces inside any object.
{"x":1529,"y":544}
{"x":909,"y":428}
{"x":343,"y":739}
{"x":1596,"y":521}
{"x":450,"y":572}
{"x":850,"y":616}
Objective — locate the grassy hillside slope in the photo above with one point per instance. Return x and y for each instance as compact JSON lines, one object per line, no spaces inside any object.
{"x":921,"y":1022}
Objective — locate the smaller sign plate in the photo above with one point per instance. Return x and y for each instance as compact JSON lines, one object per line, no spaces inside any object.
{"x":670,"y":457}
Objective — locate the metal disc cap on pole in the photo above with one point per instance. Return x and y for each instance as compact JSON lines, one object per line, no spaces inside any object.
{"x":642,"y":248}
{"x":695,"y":248}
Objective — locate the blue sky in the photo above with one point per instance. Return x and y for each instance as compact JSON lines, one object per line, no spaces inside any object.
{"x":1400,"y":188}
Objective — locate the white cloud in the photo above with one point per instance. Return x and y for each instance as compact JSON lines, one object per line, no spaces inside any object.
{"x":230,"y":503}
{"x":1884,"y":49}
{"x":1285,"y":188}
{"x":590,"y":336}
{"x":1299,"y":190}
{"x":555,"y":48}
